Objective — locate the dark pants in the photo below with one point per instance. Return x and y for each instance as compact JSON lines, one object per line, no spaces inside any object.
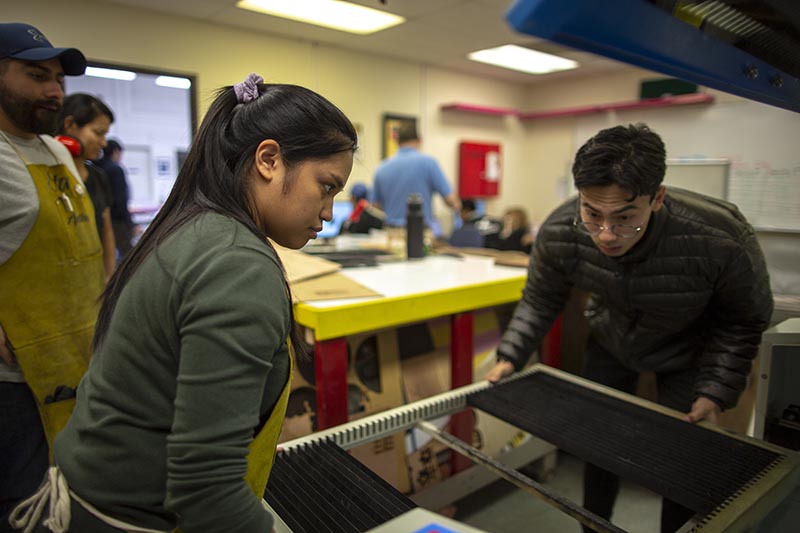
{"x":23,"y":448}
{"x":123,"y":235}
{"x":675,"y":390}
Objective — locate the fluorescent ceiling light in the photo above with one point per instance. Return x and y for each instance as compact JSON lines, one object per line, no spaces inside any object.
{"x":523,"y":59}
{"x":110,"y":73}
{"x":175,"y":83}
{"x":334,"y":14}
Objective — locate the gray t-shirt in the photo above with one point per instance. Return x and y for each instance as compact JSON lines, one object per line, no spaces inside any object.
{"x":19,"y":202}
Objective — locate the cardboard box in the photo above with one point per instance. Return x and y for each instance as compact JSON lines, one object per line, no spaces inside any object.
{"x":428,"y":374}
{"x":301,"y":416}
{"x":386,"y":457}
{"x":493,"y":436}
{"x":395,"y":366}
{"x":373,"y":385}
{"x":428,"y":465}
{"x":374,"y":367}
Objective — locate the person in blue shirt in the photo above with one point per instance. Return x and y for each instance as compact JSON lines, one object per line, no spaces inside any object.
{"x":408,"y":172}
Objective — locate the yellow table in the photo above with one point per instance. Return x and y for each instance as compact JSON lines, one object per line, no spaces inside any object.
{"x":413,"y":291}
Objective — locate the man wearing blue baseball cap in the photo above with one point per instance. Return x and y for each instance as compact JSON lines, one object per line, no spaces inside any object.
{"x":51,"y":270}
{"x":26,"y":43}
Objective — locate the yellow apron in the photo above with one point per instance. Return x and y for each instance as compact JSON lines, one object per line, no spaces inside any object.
{"x":49,"y":290}
{"x":261,"y":455}
{"x":262,"y":449}
{"x":260,"y":458}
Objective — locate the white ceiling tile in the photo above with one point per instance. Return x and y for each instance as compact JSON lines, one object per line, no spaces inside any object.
{"x":437,"y":32}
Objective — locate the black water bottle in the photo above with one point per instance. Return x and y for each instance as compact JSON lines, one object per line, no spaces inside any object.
{"x":415,"y":224}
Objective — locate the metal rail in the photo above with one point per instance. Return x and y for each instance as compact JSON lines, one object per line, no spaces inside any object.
{"x":391,"y":421}
{"x":522,"y":481}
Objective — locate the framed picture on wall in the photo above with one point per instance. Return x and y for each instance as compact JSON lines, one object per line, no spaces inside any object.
{"x":391,"y":129}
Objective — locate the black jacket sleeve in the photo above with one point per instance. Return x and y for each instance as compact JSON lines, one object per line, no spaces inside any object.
{"x":544,"y":297}
{"x":741,"y":310}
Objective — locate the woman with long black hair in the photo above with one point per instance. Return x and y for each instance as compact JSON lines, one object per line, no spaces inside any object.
{"x":178,"y":416}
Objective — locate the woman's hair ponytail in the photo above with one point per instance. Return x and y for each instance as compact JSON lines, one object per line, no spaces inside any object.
{"x":216,"y":173}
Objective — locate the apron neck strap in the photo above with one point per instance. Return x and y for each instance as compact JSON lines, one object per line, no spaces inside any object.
{"x":16,"y":149}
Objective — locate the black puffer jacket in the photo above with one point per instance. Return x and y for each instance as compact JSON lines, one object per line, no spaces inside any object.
{"x":693,"y":291}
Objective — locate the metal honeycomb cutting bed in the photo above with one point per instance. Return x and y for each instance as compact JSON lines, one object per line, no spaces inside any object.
{"x":319,"y":487}
{"x":730,"y":481}
{"x":698,"y":468}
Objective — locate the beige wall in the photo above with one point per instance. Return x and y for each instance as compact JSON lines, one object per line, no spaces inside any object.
{"x":536,"y":154}
{"x":551,"y":142}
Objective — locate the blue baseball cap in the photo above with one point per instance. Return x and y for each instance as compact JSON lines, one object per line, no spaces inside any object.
{"x":359,"y":191}
{"x":24,"y":42}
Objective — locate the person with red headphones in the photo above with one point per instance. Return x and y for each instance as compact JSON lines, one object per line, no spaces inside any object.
{"x":83,"y":125}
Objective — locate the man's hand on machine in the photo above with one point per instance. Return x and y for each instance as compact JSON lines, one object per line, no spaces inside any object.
{"x":499,"y":371}
{"x":704,"y":409}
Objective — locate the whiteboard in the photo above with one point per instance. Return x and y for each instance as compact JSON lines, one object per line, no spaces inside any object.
{"x":761,"y":142}
{"x":706,"y":176}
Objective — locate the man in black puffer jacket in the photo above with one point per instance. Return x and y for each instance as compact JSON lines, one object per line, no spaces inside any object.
{"x":678,"y":286}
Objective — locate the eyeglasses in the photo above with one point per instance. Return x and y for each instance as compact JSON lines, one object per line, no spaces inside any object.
{"x":620,"y":230}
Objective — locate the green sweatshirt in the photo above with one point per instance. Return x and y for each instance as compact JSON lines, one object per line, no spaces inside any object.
{"x":194,"y":360}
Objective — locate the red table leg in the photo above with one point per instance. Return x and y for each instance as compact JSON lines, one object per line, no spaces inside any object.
{"x":461,"y":350}
{"x":330,"y":368}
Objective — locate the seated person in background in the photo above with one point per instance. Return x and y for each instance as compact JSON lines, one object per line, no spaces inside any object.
{"x":468,"y":212}
{"x":485,"y":224}
{"x":468,"y":234}
{"x":365,"y":216}
{"x":516,"y":233}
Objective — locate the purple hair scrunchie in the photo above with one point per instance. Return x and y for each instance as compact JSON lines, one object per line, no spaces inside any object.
{"x":247,"y":91}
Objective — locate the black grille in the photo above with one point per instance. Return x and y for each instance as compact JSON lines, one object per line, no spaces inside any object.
{"x":320,"y":488}
{"x":696,"y":467}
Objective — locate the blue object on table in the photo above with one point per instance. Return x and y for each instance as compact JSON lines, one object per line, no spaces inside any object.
{"x":435,"y":528}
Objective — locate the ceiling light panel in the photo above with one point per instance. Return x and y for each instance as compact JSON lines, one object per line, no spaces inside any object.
{"x":173,"y":82}
{"x":522,"y":59}
{"x":334,"y":14}
{"x":110,"y":73}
